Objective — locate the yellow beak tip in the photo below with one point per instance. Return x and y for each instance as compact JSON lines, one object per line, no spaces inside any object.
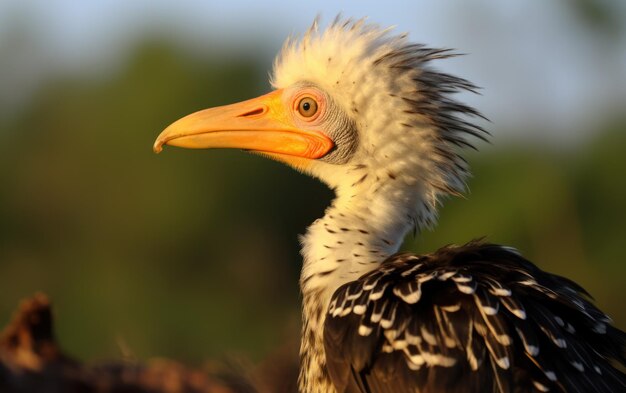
{"x":157,"y":147}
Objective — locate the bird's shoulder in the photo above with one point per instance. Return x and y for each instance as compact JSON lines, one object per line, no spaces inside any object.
{"x":472,"y":318}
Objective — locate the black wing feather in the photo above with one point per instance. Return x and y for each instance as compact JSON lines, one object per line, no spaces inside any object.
{"x":476,"y":318}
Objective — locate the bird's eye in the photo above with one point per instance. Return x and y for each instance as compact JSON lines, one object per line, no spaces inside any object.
{"x":307,"y":107}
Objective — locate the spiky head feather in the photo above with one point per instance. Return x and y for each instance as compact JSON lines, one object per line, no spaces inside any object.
{"x":409,"y":125}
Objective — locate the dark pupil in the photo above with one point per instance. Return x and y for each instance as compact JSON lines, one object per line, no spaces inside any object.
{"x":306,"y":106}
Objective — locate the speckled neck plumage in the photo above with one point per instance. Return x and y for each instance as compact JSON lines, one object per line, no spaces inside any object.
{"x":350,"y":240}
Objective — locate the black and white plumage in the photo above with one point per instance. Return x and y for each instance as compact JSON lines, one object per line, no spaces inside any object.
{"x":476,"y":318}
{"x":364,"y":111}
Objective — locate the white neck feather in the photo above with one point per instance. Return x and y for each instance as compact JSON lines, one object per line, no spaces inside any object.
{"x":355,"y":235}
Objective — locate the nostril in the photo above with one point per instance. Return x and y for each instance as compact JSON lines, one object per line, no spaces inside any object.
{"x":253,"y":112}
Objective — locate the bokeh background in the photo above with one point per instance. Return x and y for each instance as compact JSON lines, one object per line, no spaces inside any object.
{"x":194,"y":254}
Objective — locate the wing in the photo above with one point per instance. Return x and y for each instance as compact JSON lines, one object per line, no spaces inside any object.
{"x":477,"y":318}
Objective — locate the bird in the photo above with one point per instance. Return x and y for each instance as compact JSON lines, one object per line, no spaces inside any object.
{"x":363,"y":109}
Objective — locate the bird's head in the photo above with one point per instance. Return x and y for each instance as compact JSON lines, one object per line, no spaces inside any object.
{"x":356,"y":106}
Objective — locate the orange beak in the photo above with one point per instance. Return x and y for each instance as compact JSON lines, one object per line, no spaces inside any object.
{"x":261,"y":124}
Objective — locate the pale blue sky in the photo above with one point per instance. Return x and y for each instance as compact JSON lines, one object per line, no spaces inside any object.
{"x":539,"y":68}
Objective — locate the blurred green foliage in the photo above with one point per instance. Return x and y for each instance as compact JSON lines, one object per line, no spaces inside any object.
{"x":192,"y":254}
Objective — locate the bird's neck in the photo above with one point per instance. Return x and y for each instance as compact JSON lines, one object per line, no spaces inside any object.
{"x":346,"y":243}
{"x":353,"y":238}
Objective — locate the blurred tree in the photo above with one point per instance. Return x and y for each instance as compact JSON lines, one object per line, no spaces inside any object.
{"x":604,"y":17}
